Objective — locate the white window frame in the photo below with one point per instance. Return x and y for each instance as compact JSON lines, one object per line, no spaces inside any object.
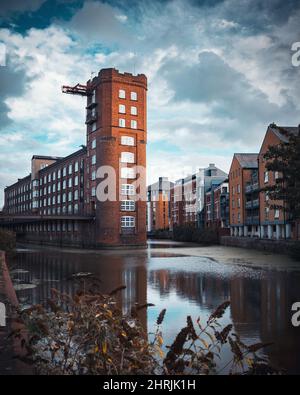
{"x":122,"y":123}
{"x":128,"y":140}
{"x":127,"y":157}
{"x":133,"y":110}
{"x":127,"y":205}
{"x":133,"y":96}
{"x":122,"y":109}
{"x":128,"y":173}
{"x":133,"y":124}
{"x":127,"y":221}
{"x":127,"y":189}
{"x":122,"y":94}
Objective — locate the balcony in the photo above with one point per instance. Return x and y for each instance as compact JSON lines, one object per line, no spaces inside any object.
{"x":91,"y":104}
{"x":252,"y":204}
{"x":91,"y":117}
{"x":252,"y":187}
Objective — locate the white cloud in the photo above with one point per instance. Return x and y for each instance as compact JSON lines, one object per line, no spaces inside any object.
{"x":205,"y":112}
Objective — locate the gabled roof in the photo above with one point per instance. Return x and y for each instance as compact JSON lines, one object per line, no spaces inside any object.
{"x":247,"y":161}
{"x":283,"y":132}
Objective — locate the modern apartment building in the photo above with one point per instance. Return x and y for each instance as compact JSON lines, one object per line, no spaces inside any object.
{"x":188,"y":196}
{"x":158,"y":205}
{"x":217,"y":208}
{"x":251,"y":211}
{"x":97,"y":195}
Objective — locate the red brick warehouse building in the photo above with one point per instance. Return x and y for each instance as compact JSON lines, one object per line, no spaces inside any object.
{"x":61,"y":205}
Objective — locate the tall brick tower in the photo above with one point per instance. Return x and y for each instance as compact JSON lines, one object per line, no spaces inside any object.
{"x":116,"y":137}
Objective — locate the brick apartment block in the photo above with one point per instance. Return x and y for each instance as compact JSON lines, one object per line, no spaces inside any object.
{"x":251,"y":214}
{"x":57,"y":202}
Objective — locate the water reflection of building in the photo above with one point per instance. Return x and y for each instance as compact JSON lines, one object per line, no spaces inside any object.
{"x":260,"y":307}
{"x":266,"y":305}
{"x":54,"y":270}
{"x":203,"y":290}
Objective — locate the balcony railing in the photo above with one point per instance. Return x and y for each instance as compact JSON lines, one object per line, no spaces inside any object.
{"x":252,"y":204}
{"x":91,"y":117}
{"x":252,"y":187}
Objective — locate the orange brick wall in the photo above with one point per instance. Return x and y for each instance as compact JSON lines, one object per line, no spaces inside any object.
{"x":108,"y":150}
{"x":270,"y":140}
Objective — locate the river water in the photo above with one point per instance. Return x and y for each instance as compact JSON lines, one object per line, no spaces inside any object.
{"x":186,"y":280}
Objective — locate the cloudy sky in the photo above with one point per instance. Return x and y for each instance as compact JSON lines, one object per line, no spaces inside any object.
{"x":219,"y":72}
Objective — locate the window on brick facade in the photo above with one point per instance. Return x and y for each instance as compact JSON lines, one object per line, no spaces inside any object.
{"x":76,"y":194}
{"x":93,"y":159}
{"x":127,"y":157}
{"x":266,"y":179}
{"x":76,"y":181}
{"x":93,"y":192}
{"x":93,"y":177}
{"x":127,"y":189}
{"x":127,"y":222}
{"x":127,"y":140}
{"x":133,"y":124}
{"x":133,"y":95}
{"x":70,"y":183}
{"x":94,"y":126}
{"x":133,"y":110}
{"x":93,"y":143}
{"x":69,"y":196}
{"x":122,"y":94}
{"x":127,"y":172}
{"x":122,"y":109}
{"x":127,"y":205}
{"x":122,"y":123}
{"x":276,"y":213}
{"x":64,"y":171}
{"x":70,"y":168}
{"x":58,"y":173}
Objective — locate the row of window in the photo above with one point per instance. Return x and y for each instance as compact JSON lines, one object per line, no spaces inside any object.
{"x":122,"y":109}
{"x":54,"y":227}
{"x":122,"y":95}
{"x":60,"y":173}
{"x":125,"y":140}
{"x":122,"y":123}
{"x":126,"y":222}
{"x":57,"y":187}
